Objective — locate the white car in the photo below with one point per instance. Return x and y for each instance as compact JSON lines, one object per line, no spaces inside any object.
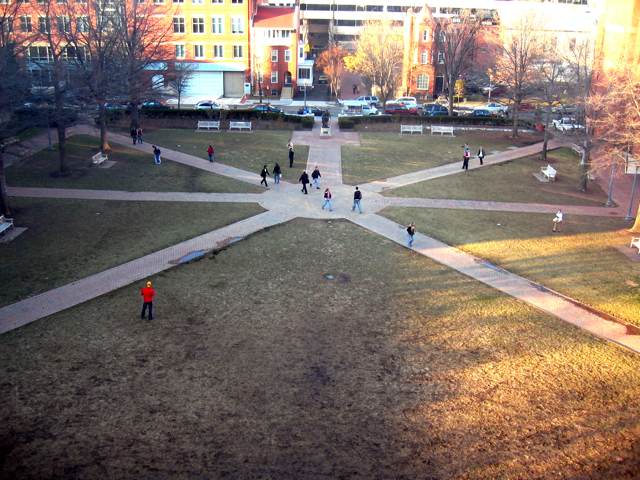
{"x":567,"y":124}
{"x":408,"y":101}
{"x":494,"y":108}
{"x":207,"y":105}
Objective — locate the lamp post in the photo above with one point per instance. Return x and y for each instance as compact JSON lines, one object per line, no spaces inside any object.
{"x":633,"y":194}
{"x":609,"y":202}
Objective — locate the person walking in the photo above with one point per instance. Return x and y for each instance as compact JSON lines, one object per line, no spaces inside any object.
{"x":304,"y":179}
{"x":465,"y":158}
{"x":315,"y":176}
{"x":156,"y":155}
{"x":134,"y":135}
{"x":357,"y":198}
{"x":264,"y":173}
{"x":211,"y":151}
{"x":411,"y":232}
{"x":139,"y":135}
{"x":291,"y":153}
{"x":481,"y":155}
{"x":147,"y":293}
{"x":327,"y":200}
{"x":277,"y":173}
{"x":557,"y":221}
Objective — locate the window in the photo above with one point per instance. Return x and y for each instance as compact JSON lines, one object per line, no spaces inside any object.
{"x":158,"y":2}
{"x":178,"y":1}
{"x":197,"y":2}
{"x":64,"y":24}
{"x":83,"y":24}
{"x":218,"y":51}
{"x":304,"y":74}
{"x":39,"y":54}
{"x":6,"y":25}
{"x":217,"y":24}
{"x":426,"y":35}
{"x":44,"y":25}
{"x":287,"y":55}
{"x":237,"y":51}
{"x":423,"y":82}
{"x":440,"y":57}
{"x":179,"y":51}
{"x":198,"y":25}
{"x":198,"y":51}
{"x":274,"y":55}
{"x":237,"y":25}
{"x":237,"y":1}
{"x":178,"y":25}
{"x":424,"y":57}
{"x":217,"y":1}
{"x":442,"y":37}
{"x":25,"y":24}
{"x":274,"y":77}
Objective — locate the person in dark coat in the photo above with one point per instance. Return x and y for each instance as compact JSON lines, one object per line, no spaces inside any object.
{"x":465,"y":158}
{"x":291,"y":153}
{"x":277,"y":173}
{"x":304,"y":179}
{"x":139,"y":135}
{"x":156,"y":155}
{"x":411,"y":232}
{"x":264,"y":174}
{"x":315,"y":177}
{"x":327,"y":200}
{"x":481,"y":155}
{"x":357,"y":198}
{"x":134,"y":135}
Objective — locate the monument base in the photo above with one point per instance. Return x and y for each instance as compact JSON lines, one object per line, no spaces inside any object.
{"x":325,"y":132}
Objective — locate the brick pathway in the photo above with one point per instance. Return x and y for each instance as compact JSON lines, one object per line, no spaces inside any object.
{"x":286,"y":202}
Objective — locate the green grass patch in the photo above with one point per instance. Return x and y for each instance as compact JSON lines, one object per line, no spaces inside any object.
{"x":133,"y":171}
{"x":256,"y":366}
{"x":512,"y":181}
{"x":69,"y":239}
{"x":248,"y":151}
{"x":582,"y":261}
{"x":382,"y":155}
{"x":29,"y":133}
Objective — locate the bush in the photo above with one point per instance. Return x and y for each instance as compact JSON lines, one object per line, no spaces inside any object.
{"x":346,"y":123}
{"x":37,"y":117}
{"x":351,"y":122}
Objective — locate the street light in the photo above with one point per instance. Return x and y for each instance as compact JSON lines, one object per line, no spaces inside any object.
{"x":633,"y":187}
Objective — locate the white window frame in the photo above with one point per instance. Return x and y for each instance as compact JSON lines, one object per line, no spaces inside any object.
{"x":197,"y":55}
{"x":425,"y":77}
{"x":287,"y":55}
{"x":181,"y":47}
{"x":441,"y":57}
{"x":217,"y":2}
{"x":424,"y":57}
{"x":219,"y":19}
{"x":181,"y":23}
{"x":274,"y":55}
{"x":274,"y":77}
{"x":200,"y":24}
{"x":25,"y":20}
{"x":221,"y":51}
{"x":238,"y":49}
{"x":237,"y":25}
{"x":426,"y":35}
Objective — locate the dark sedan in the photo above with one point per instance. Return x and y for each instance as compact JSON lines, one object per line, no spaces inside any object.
{"x":434,"y":110}
{"x":265,"y":108}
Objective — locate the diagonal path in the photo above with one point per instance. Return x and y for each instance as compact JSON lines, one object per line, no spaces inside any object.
{"x":86,"y":194}
{"x":72,"y":294}
{"x":505,"y":281}
{"x":453,"y":168}
{"x":502,"y":206}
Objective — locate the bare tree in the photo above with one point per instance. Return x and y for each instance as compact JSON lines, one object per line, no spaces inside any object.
{"x":180,"y":77}
{"x":331,"y":62}
{"x":614,"y":111}
{"x":515,"y":67}
{"x":378,"y":57}
{"x":456,"y":44}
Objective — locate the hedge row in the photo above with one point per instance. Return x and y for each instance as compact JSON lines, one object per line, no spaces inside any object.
{"x":347,"y":123}
{"x":40,"y":117}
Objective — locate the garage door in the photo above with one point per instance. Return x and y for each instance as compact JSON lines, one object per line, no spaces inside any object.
{"x":205,"y":86}
{"x":233,"y":84}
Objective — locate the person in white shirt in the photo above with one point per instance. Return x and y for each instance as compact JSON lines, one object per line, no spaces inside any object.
{"x":557,"y":221}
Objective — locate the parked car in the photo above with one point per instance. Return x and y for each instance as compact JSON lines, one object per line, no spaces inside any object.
{"x":355,"y":107}
{"x":265,"y":108}
{"x":434,"y":110}
{"x":565,"y":109}
{"x":154,"y":105}
{"x":395,"y":108}
{"x":370,"y":99}
{"x":481,"y":112}
{"x":411,"y":101}
{"x":323,"y":79}
{"x":567,"y":124}
{"x":115,"y":107}
{"x":310,"y":111}
{"x":207,"y":105}
{"x":494,"y":108}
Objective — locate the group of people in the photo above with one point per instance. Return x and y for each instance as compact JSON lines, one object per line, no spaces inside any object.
{"x":136,"y":135}
{"x":466,"y":156}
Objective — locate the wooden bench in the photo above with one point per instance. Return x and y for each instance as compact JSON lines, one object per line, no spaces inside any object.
{"x":208,"y":125}
{"x":442,"y":130}
{"x":5,"y":224}
{"x":98,"y":158}
{"x":411,"y":129}
{"x":635,"y":242}
{"x":240,"y":126}
{"x":549,"y":172}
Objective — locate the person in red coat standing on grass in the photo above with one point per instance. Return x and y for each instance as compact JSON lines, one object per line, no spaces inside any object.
{"x":147,"y":294}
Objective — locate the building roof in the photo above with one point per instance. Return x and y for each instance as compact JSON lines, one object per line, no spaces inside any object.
{"x":275,"y":17}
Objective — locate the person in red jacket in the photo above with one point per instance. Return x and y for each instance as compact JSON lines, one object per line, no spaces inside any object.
{"x":147,"y":294}
{"x":210,"y":152}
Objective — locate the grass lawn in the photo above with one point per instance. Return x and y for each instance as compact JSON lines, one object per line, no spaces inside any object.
{"x":256,"y":366}
{"x":248,"y":151}
{"x":69,"y":239}
{"x":581,"y":262}
{"x":512,"y":182}
{"x":133,"y":171}
{"x":382,"y":155}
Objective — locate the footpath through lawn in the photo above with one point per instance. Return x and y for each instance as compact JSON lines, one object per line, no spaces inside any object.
{"x":512,"y":181}
{"x":383,"y":155}
{"x":248,"y":150}
{"x":69,"y":239}
{"x":133,"y":171}
{"x":259,"y":366}
{"x":582,"y":261}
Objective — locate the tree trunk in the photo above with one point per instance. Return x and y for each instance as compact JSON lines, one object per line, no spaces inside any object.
{"x":450,"y":93}
{"x":179,"y":98}
{"x":545,"y":143}
{"x":636,"y":224}
{"x":61,"y":125}
{"x":516,"y":111}
{"x":584,"y":164}
{"x":62,"y":146}
{"x":104,"y":141}
{"x":4,"y":197}
{"x":135,"y":115}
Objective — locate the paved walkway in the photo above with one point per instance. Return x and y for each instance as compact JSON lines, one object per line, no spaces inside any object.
{"x":67,"y":296}
{"x":454,"y":168}
{"x":286,"y":202}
